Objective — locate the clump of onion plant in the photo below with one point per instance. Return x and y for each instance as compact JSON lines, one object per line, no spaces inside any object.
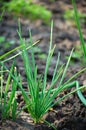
{"x":41,"y":98}
{"x":8,"y":103}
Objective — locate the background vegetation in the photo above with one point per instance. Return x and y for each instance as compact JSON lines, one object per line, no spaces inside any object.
{"x":26,"y":9}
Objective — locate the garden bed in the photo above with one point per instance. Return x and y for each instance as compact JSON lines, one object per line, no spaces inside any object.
{"x":70,"y":114}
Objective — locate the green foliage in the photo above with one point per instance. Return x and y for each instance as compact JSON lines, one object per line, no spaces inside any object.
{"x":1,"y":15}
{"x":82,"y":98}
{"x":8,"y":104}
{"x":79,"y":29}
{"x":69,"y":14}
{"x":28,"y":9}
{"x":78,"y":55}
{"x":5,"y":43}
{"x":2,"y":39}
{"x":41,"y":98}
{"x":5,"y":57}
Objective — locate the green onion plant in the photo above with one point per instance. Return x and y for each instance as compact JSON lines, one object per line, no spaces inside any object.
{"x":79,"y":29}
{"x":8,"y":103}
{"x":83,"y":45}
{"x":39,"y":98}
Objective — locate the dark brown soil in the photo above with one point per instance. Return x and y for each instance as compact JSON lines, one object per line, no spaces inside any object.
{"x":70,"y":114}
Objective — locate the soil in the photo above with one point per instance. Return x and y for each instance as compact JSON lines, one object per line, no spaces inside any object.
{"x":70,"y":114}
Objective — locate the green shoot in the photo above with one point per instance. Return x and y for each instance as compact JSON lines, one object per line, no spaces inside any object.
{"x":8,"y":105}
{"x":82,"y":98}
{"x":79,"y":29}
{"x":13,"y":50}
